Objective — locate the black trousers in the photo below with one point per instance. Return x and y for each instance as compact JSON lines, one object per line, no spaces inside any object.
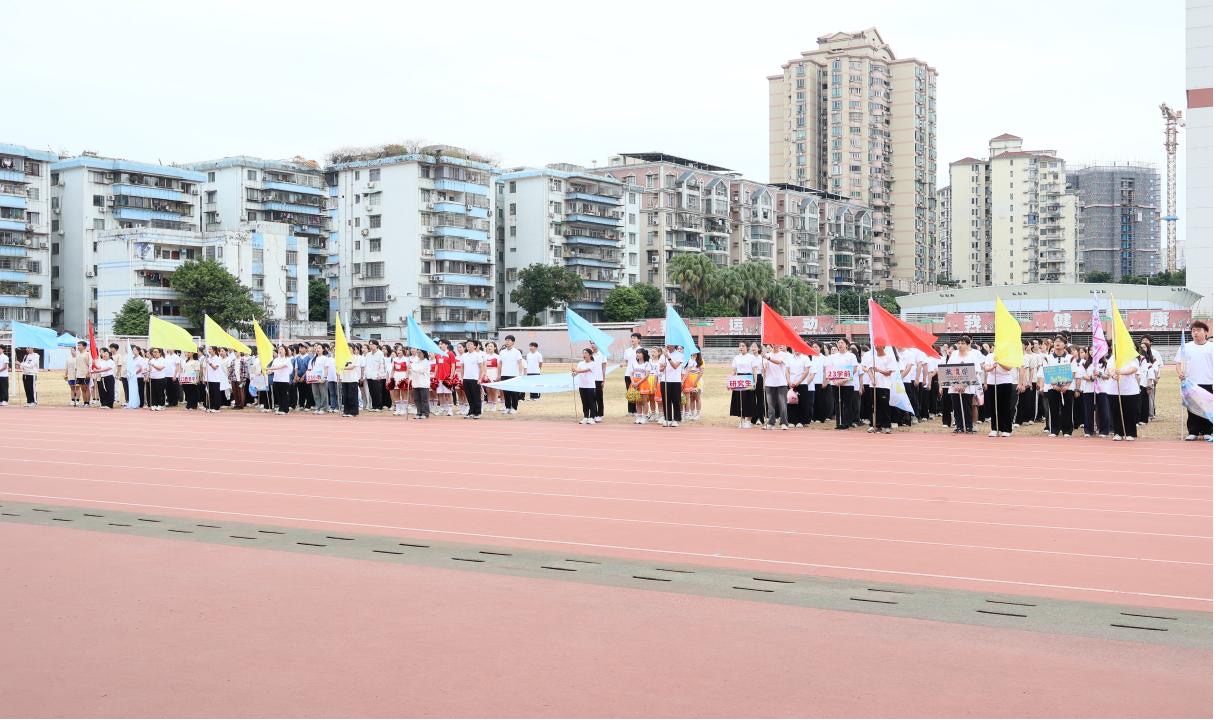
{"x":282,"y":395}
{"x":928,"y":399}
{"x":105,"y":390}
{"x":844,"y":395}
{"x":1002,"y":407}
{"x":159,"y":388}
{"x":960,"y":407}
{"x":1196,"y":425}
{"x":304,"y":392}
{"x":1143,"y":416}
{"x":532,"y":396}
{"x":173,"y":393}
{"x":3,"y":389}
{"x":1125,"y":422}
{"x":126,"y":390}
{"x":350,"y":398}
{"x":882,"y":408}
{"x":586,"y":395}
{"x":599,"y":398}
{"x":28,"y":382}
{"x":511,"y":399}
{"x":1089,"y":411}
{"x":1059,"y":412}
{"x":264,"y":399}
{"x":631,"y":407}
{"x":472,"y":393}
{"x":215,"y":396}
{"x":1104,"y":414}
{"x":800,"y":414}
{"x":948,"y":406}
{"x":191,"y":392}
{"x":759,"y":404}
{"x":672,"y":392}
{"x":867,"y":403}
{"x":375,"y":394}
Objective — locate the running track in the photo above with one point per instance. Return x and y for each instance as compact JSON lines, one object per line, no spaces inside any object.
{"x":1086,"y":520}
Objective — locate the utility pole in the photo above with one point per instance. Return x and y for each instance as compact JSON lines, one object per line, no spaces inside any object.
{"x":1173,"y":121}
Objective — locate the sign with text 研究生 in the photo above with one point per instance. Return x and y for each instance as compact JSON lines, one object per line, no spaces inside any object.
{"x":951,"y":375}
{"x":1057,"y":374}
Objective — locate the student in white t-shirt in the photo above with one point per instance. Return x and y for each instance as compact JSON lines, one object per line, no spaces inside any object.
{"x":29,"y":377}
{"x":103,"y":371}
{"x":671,"y":375}
{"x":962,"y":396}
{"x":282,"y":369}
{"x":1059,"y":396}
{"x":599,"y":371}
{"x":4,"y":377}
{"x":584,"y":379}
{"x":351,"y":375}
{"x":473,"y":370}
{"x":420,"y":384}
{"x":511,"y":364}
{"x":742,"y":402}
{"x":842,"y":389}
{"x":883,"y":370}
{"x":799,"y":369}
{"x":157,"y":377}
{"x":775,"y":363}
{"x":535,"y":361}
{"x":1195,"y":364}
{"x":627,"y":358}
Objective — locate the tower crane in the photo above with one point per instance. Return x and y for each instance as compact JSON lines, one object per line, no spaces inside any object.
{"x":1173,"y":121}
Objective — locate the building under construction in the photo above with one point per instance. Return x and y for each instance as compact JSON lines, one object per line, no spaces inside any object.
{"x":1119,"y":219}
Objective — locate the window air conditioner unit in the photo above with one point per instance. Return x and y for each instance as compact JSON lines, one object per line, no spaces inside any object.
{"x":428,"y":253}
{"x":371,"y":184}
{"x":194,"y":192}
{"x":364,"y":232}
{"x":88,"y":274}
{"x":437,"y":278}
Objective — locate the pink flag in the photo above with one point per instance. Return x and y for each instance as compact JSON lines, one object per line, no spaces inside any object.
{"x":1099,"y":346}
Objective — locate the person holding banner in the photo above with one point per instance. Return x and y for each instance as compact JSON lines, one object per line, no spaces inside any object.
{"x":216,"y":375}
{"x":841,"y":364}
{"x":1104,"y":383}
{"x":351,"y":375}
{"x":671,"y":375}
{"x":963,"y":393}
{"x":1059,"y":388}
{"x":1127,"y":379}
{"x":191,"y":368}
{"x":157,"y":377}
{"x":1001,"y":389}
{"x":29,"y":377}
{"x":584,"y":380}
{"x":282,"y":369}
{"x":1084,"y":370}
{"x":742,"y":386}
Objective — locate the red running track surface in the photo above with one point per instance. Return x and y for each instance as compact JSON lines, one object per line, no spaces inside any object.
{"x":1093,"y":520}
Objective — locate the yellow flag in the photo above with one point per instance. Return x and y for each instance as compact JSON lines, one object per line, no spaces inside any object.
{"x":215,"y":336}
{"x":1125,"y":349}
{"x":341,"y":349}
{"x":1008,"y":349}
{"x":265,"y":349}
{"x":168,"y":335}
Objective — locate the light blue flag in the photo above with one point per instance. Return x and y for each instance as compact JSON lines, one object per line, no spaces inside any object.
{"x":899,"y":396}
{"x":132,"y":380}
{"x":540,"y":384}
{"x":580,"y":329}
{"x":676,"y":332}
{"x":27,"y":335}
{"x":417,"y":339}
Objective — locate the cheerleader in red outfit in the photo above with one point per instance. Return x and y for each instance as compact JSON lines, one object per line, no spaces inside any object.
{"x":444,"y":370}
{"x":493,"y":374}
{"x":399,"y":379}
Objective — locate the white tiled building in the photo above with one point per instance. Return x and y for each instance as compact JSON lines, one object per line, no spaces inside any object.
{"x":565,"y":215}
{"x":25,"y":242}
{"x":411,"y":236}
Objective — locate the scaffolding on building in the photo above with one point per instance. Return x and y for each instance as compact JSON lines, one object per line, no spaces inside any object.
{"x":1118,"y":217}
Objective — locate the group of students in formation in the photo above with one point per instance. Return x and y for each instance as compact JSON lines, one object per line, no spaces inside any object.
{"x":852,"y":385}
{"x":375,"y":377}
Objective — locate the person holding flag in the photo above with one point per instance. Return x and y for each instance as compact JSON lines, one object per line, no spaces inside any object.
{"x":671,"y":376}
{"x":1195,"y":367}
{"x":29,"y":377}
{"x":1127,"y":375}
{"x":103,"y":370}
{"x":82,"y":367}
{"x":1004,"y":368}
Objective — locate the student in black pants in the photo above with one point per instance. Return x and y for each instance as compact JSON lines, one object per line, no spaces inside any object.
{"x":671,"y":371}
{"x":281,"y":370}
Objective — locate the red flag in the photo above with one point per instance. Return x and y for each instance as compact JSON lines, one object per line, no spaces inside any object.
{"x":92,"y":344}
{"x":890,"y":331}
{"x":775,"y":330}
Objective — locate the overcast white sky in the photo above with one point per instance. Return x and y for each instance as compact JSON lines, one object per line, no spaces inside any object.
{"x":535,"y":83}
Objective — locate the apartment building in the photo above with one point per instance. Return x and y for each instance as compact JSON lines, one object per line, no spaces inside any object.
{"x":1198,"y":145}
{"x":847,"y":233}
{"x":944,"y":251}
{"x":1119,"y":219}
{"x":138,"y":263}
{"x":568,"y":216}
{"x":91,"y":195}
{"x":796,"y":232}
{"x":1013,"y":220}
{"x":242,"y":190}
{"x":411,"y":236}
{"x":25,"y":240}
{"x":853,"y":119}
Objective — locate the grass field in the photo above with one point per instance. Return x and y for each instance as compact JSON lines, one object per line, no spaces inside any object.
{"x":52,"y":390}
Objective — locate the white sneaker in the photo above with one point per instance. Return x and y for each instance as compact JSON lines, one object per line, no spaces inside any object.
{"x":1207,"y":438}
{"x":1006,"y":434}
{"x":1191,"y":437}
{"x":598,"y":419}
{"x":746,"y":425}
{"x":993,"y":434}
{"x":674,"y":424}
{"x":799,"y":425}
{"x":785,"y":427}
{"x":1051,"y":434}
{"x":1116,"y":437}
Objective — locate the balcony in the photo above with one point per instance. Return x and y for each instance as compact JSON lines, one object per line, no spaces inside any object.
{"x":461,"y":232}
{"x":150,"y":192}
{"x":10,"y":175}
{"x":688,"y":242}
{"x":598,"y":220}
{"x":447,"y":184}
{"x":455,"y":255}
{"x":292,"y":188}
{"x":13,"y":225}
{"x":593,"y":198}
{"x":591,"y":240}
{"x":589,"y":261}
{"x":759,"y":250}
{"x":454,"y":278}
{"x":14,"y":202}
{"x":455,"y":207}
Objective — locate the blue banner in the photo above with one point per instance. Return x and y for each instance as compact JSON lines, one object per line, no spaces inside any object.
{"x":540,"y":384}
{"x":417,"y":339}
{"x":27,"y":335}
{"x":580,"y":329}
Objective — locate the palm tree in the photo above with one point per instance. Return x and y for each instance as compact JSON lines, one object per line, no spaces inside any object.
{"x":695,"y":275}
{"x":754,"y":282}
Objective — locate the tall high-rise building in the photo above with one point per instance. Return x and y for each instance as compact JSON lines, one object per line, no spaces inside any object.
{"x":568,"y":216}
{"x":1012,"y":219}
{"x":1119,"y":219}
{"x":944,"y":250}
{"x":853,"y":119}
{"x":241,"y":191}
{"x":25,"y":246}
{"x":412,"y":237}
{"x":91,"y":195}
{"x":1197,"y":143}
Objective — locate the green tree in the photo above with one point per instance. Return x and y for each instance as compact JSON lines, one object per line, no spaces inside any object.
{"x":793,"y":296}
{"x":1098,"y":278}
{"x":716,"y":307}
{"x":624,"y":304}
{"x":208,"y":289}
{"x":545,"y":286}
{"x":132,"y":319}
{"x":696,"y":276}
{"x":655,"y":306}
{"x":751,"y":283}
{"x":318,"y":300}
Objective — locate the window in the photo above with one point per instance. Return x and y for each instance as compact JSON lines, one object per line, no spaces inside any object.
{"x":99,"y":224}
{"x":251,"y":216}
{"x":511,"y":232}
{"x":54,"y":224}
{"x":211,"y":177}
{"x":99,"y":200}
{"x":211,"y":196}
{"x":251,"y":174}
{"x":356,"y":247}
{"x":32,"y":193}
{"x":374,"y":221}
{"x":373,"y":245}
{"x":373,"y":174}
{"x":292,"y":258}
{"x":373,"y":270}
{"x":511,"y":187}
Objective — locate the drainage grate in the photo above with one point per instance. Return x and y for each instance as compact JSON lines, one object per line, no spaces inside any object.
{"x":1168,"y":627}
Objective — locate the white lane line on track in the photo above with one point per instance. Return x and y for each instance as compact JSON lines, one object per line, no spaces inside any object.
{"x":604,"y":546}
{"x":608,"y":519}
